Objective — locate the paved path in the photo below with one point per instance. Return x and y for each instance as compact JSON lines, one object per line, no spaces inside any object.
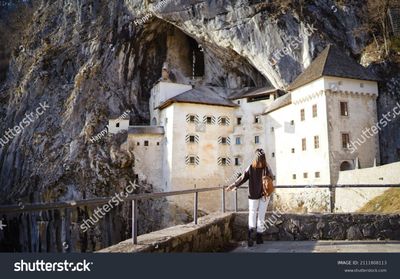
{"x":321,"y":247}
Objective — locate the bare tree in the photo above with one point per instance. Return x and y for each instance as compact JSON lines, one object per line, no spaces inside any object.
{"x":378,"y":22}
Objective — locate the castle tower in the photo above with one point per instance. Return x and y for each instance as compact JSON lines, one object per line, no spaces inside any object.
{"x":162,"y":91}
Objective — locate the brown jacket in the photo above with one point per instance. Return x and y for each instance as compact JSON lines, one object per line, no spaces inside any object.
{"x":254,"y":175}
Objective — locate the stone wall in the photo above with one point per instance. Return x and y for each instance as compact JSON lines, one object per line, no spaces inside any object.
{"x":215,"y":232}
{"x":212,"y":234}
{"x":324,"y":226}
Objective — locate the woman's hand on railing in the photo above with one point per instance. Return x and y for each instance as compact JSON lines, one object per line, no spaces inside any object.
{"x":231,"y":188}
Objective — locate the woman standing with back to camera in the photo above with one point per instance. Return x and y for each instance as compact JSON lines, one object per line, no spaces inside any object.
{"x":258,"y":200}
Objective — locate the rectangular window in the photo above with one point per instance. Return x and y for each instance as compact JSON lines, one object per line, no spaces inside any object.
{"x":292,"y":122}
{"x":302,"y":115}
{"x":314,"y":111}
{"x":273,"y":154}
{"x":317,"y":174}
{"x":344,"y":110}
{"x":138,"y":143}
{"x":223,"y":161}
{"x":237,"y":161}
{"x":238,"y":140}
{"x":345,"y":140}
{"x":316,"y":142}
{"x":238,"y":102}
{"x":293,"y":150}
{"x":303,"y":144}
{"x":272,"y":129}
{"x":146,"y":143}
{"x":223,"y":140}
{"x":192,"y":119}
{"x":239,"y":121}
{"x":209,"y":120}
{"x":305,"y":175}
{"x":223,"y":121}
{"x":257,"y":139}
{"x":192,"y":139}
{"x":158,"y":143}
{"x":293,"y":176}
{"x":117,"y":125}
{"x":192,"y":160}
{"x":257,"y":119}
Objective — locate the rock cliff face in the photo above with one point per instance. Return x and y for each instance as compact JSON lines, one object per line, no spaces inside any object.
{"x":90,"y":59}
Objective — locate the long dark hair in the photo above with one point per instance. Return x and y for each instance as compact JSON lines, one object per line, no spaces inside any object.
{"x":259,"y":162}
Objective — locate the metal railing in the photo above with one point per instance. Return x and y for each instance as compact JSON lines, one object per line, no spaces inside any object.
{"x":135,"y":198}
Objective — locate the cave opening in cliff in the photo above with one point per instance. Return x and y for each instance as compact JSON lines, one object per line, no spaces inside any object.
{"x":190,"y":61}
{"x":197,"y":58}
{"x":185,"y":55}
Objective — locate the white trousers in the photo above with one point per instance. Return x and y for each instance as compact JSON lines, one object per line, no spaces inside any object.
{"x":257,"y":209}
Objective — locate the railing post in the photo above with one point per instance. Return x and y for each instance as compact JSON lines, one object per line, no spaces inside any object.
{"x":195,"y":206}
{"x":235,"y":200}
{"x":134,"y":221}
{"x":332,"y":191}
{"x":196,"y":201}
{"x":223,"y":200}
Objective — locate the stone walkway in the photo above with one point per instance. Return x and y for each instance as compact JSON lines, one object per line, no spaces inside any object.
{"x":336,"y":246}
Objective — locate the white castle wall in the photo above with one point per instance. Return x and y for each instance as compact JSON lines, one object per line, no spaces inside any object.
{"x":148,"y":159}
{"x":362,"y":111}
{"x":161,"y":92}
{"x":248,"y":129}
{"x":206,"y":172}
{"x":113,"y":123}
{"x":352,"y":199}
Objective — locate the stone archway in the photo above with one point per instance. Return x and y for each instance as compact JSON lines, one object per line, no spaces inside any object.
{"x":345,"y":166}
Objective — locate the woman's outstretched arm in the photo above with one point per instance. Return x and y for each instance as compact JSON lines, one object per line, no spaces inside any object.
{"x":240,"y":180}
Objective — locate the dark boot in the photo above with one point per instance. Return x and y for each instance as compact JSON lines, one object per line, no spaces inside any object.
{"x":250,"y":237}
{"x":259,"y":238}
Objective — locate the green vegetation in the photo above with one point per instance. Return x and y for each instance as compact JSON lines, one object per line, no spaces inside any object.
{"x":388,"y":202}
{"x":395,"y":44}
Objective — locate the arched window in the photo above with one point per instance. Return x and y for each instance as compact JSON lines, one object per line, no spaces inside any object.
{"x":154,"y":121}
{"x":344,"y":166}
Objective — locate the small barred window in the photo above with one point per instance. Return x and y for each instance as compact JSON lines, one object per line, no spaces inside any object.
{"x":222,"y":120}
{"x":192,"y":160}
{"x":192,"y":138}
{"x":192,"y":118}
{"x":209,"y":120}
{"x":224,"y":161}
